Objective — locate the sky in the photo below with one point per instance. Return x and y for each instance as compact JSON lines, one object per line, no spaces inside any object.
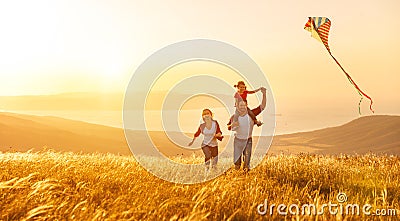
{"x":50,"y":47}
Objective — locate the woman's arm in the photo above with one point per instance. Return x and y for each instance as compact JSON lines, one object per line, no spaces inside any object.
{"x":218,"y":132}
{"x":198,"y":132}
{"x":191,"y":142}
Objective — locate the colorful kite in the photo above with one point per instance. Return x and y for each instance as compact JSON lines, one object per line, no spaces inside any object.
{"x":319,"y":28}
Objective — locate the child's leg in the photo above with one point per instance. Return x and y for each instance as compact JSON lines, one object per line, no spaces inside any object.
{"x":253,"y":117}
{"x":251,"y":114}
{"x":235,"y":116}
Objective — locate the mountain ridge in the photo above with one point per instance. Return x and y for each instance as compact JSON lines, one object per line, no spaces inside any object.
{"x":377,"y":134}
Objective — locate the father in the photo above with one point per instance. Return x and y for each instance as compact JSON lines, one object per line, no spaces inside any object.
{"x":243,"y":132}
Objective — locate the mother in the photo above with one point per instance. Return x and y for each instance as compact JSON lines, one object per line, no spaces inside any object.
{"x":211,"y":132}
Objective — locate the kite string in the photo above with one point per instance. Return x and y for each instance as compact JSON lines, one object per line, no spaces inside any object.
{"x":360,"y":92}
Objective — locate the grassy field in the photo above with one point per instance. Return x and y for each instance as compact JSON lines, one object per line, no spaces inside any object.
{"x":65,"y":186}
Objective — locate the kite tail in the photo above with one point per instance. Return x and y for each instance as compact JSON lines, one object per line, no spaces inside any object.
{"x":359,"y":103}
{"x":360,"y":92}
{"x":361,"y":96}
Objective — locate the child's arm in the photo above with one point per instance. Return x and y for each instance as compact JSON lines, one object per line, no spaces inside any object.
{"x":255,"y":91}
{"x":236,"y":102}
{"x":237,"y":97}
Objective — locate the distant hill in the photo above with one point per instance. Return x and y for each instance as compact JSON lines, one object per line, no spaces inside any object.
{"x":24,"y":132}
{"x":377,"y":134}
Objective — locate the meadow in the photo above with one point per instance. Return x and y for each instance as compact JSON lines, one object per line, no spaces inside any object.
{"x":51,"y":185}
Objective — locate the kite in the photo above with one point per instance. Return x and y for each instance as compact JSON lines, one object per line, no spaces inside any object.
{"x":319,"y":28}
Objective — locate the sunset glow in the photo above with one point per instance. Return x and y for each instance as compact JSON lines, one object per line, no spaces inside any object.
{"x":50,"y":47}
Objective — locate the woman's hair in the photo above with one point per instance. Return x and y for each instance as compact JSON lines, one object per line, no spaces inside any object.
{"x":239,"y":83}
{"x":205,"y":111}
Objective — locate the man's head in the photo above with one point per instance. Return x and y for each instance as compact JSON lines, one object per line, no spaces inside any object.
{"x":242,"y":107}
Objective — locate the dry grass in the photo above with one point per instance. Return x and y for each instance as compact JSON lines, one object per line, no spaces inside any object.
{"x":49,"y":185}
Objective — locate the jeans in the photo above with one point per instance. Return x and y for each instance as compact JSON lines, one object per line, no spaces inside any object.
{"x":210,"y":154}
{"x":242,"y":149}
